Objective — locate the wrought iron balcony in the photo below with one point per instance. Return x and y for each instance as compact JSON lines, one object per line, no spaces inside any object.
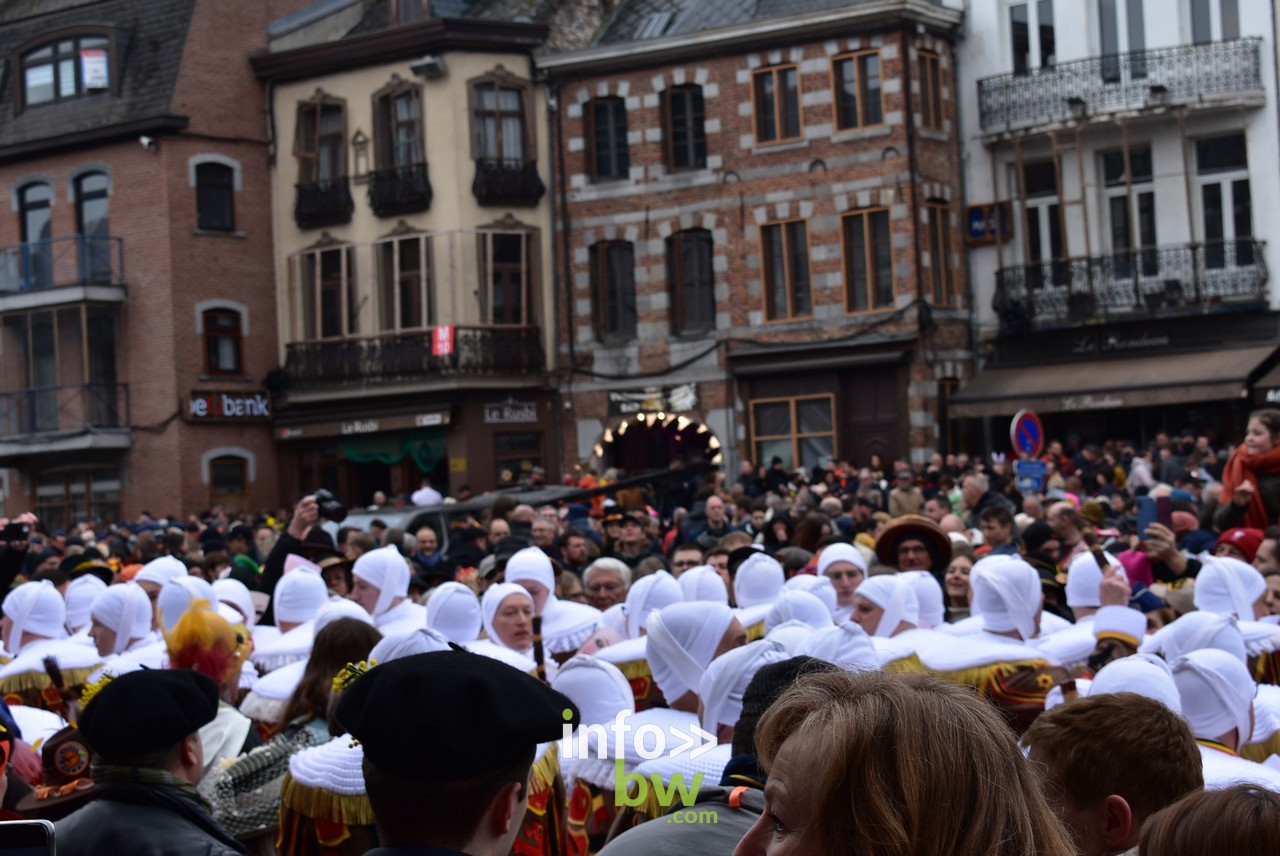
{"x":1155,"y":282}
{"x":507,"y":182}
{"x":497,"y":351}
{"x":399,"y":190}
{"x":64,"y":409}
{"x":1186,"y":74}
{"x":69,"y":260}
{"x":325,"y":203}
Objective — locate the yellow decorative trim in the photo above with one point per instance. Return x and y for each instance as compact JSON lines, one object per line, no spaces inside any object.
{"x":755,"y":631}
{"x":981,"y":676}
{"x":1115,"y":634}
{"x":545,"y":770}
{"x":325,"y":804}
{"x":1259,"y":752}
{"x":39,"y":680}
{"x":907,"y":665}
{"x":649,"y":807}
{"x":635,"y":669}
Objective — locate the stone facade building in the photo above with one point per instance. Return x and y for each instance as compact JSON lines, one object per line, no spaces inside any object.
{"x":759,"y":233}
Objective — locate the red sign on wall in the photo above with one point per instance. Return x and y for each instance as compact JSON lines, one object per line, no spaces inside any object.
{"x":442,"y":341}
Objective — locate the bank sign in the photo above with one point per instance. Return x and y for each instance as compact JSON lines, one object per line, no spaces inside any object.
{"x":223,"y":406}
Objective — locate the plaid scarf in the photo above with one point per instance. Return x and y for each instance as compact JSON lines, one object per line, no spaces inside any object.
{"x":102,"y":773}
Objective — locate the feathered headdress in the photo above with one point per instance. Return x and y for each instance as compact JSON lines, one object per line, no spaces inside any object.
{"x":207,"y":643}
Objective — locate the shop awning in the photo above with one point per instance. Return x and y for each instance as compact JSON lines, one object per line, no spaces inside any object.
{"x":1266,"y":389}
{"x":1110,"y":384}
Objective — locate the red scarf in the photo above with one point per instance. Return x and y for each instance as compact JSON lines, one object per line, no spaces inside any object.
{"x":1243,"y":467}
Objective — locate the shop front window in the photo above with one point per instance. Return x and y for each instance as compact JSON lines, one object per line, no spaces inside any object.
{"x":63,"y":498}
{"x":801,"y":431}
{"x":515,"y":454}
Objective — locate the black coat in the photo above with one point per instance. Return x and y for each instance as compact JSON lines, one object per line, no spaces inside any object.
{"x":989,"y":499}
{"x":143,"y":820}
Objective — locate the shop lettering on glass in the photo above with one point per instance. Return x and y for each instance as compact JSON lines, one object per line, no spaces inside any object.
{"x":510,"y":412}
{"x":228,"y":405}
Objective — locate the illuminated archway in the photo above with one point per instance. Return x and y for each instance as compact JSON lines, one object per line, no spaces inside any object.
{"x":649,"y":441}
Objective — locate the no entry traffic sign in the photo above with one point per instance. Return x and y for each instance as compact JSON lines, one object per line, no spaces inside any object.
{"x":1027,"y":434}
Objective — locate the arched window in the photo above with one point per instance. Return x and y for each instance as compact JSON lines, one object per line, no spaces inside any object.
{"x":222,"y":337}
{"x":35,"y":203}
{"x":92,"y":190}
{"x":228,"y":471}
{"x":215,"y":197}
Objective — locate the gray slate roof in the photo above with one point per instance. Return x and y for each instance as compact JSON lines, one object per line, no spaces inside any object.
{"x":634,"y":20}
{"x":151,"y":38}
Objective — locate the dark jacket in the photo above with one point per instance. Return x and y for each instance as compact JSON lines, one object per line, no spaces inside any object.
{"x":143,"y":820}
{"x":711,"y":825}
{"x":1229,"y":516}
{"x":11,"y":562}
{"x":988,"y":500}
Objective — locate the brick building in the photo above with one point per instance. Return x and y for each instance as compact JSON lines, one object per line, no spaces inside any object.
{"x":759,"y":232}
{"x":413,"y":233}
{"x":137,"y":315}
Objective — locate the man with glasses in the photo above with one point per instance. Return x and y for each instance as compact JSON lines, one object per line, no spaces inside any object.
{"x":606,"y":581}
{"x":684,"y":557}
{"x":913,"y":542}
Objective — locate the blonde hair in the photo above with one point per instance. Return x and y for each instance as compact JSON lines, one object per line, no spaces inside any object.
{"x":912,"y":766}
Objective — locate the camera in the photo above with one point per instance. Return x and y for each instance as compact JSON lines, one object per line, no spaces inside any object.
{"x":330,"y":507}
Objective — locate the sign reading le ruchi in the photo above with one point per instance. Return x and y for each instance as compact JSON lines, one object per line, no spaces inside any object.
{"x":364,"y":425}
{"x":510,"y":411}
{"x":207,"y":406}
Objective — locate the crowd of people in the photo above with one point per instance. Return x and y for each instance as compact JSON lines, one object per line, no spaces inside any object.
{"x":882,"y":661}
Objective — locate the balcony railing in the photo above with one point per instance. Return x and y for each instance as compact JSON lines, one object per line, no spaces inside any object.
{"x":400,"y":190}
{"x":507,"y":182}
{"x":64,"y":409}
{"x":1131,"y":81}
{"x":1153,"y":282}
{"x":407,"y":357}
{"x":325,"y":203}
{"x":69,"y":260}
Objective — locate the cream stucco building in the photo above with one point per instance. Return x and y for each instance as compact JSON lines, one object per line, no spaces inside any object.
{"x":413,"y":253}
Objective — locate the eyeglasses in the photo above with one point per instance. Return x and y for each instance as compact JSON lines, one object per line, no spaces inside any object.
{"x":684,"y":563}
{"x":598,"y":587}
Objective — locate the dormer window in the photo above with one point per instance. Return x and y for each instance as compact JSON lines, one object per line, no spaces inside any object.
{"x":67,"y":68}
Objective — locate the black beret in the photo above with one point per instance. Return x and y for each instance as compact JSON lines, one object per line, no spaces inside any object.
{"x":1035,"y":535}
{"x":740,"y":555}
{"x":771,"y":681}
{"x":442,"y":694}
{"x":147,"y":711}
